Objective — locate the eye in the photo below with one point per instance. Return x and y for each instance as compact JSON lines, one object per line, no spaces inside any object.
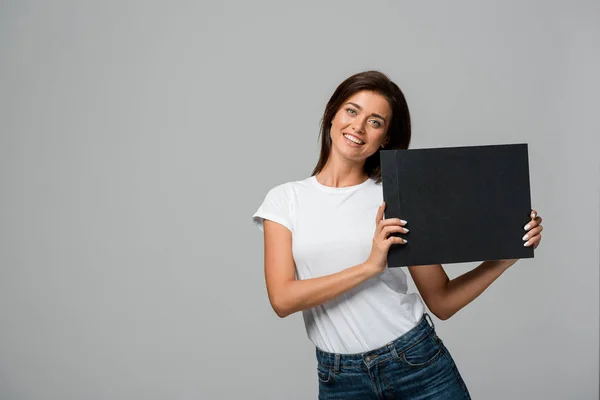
{"x":376,"y":123}
{"x":350,"y":111}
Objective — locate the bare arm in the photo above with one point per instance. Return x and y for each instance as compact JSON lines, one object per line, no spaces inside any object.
{"x":288,"y":295}
{"x":445,"y":297}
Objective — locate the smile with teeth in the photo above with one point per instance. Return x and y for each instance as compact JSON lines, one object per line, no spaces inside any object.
{"x":353,"y":139}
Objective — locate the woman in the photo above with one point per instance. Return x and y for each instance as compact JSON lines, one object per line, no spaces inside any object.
{"x":325,"y":248}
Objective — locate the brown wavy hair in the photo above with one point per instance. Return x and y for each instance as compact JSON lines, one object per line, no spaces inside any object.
{"x":399,"y":131}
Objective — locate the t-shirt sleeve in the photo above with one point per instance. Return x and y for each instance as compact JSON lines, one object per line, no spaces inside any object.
{"x":276,"y":207}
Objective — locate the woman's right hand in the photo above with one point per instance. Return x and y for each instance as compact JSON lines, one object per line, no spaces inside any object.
{"x":382,"y":241}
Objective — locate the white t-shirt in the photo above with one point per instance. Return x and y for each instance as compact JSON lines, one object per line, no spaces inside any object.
{"x":332,"y":229}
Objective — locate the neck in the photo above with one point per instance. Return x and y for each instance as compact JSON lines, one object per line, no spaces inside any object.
{"x":340,"y":174}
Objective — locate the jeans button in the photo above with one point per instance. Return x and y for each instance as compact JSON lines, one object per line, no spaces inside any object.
{"x":368,"y":359}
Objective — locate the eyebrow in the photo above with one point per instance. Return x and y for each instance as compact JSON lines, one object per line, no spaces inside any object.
{"x":360,"y":108}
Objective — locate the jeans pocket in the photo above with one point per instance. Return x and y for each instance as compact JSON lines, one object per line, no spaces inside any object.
{"x":423,"y":353}
{"x":324,"y":373}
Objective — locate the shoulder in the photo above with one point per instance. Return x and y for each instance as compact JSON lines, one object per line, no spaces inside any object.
{"x":279,"y":203}
{"x":374,"y":186}
{"x":281,"y":191}
{"x":373,"y":193}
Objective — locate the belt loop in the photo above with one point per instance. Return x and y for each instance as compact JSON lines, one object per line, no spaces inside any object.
{"x":392,"y":348}
{"x":428,"y":317}
{"x":336,"y":366}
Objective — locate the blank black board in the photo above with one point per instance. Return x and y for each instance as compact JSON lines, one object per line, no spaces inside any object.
{"x":462,"y":204}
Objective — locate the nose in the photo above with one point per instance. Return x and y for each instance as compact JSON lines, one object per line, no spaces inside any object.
{"x":358,"y":125}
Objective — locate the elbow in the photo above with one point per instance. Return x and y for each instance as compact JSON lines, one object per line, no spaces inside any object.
{"x":283,"y":302}
{"x":281,"y":312}
{"x":443,"y":316}
{"x":280,"y":307}
{"x":442,"y":313}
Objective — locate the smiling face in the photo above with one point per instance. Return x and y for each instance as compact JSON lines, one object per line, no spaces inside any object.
{"x":359,"y":127}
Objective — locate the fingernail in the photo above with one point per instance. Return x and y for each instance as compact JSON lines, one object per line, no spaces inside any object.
{"x":406,"y":230}
{"x":534,"y":215}
{"x":403,"y":221}
{"x":525,"y":237}
{"x":527,"y":227}
{"x":526,"y":244}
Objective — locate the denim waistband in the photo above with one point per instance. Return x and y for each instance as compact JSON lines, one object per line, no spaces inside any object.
{"x":336,"y":360}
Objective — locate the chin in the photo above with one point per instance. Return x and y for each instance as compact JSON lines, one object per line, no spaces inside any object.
{"x":350,"y":155}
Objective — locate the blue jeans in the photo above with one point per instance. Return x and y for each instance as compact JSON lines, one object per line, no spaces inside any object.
{"x":416,"y":365}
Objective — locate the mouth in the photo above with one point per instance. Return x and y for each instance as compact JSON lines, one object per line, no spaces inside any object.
{"x":353,"y":139}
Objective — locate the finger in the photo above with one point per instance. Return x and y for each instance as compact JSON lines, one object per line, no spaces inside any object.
{"x":395,"y":240}
{"x":390,"y":229}
{"x":379,"y":215}
{"x":535,"y":231}
{"x":533,"y":223}
{"x":392,"y":221}
{"x":533,"y":241}
{"x":533,"y":214}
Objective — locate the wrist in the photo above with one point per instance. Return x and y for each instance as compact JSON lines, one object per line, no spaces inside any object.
{"x":371,"y":268}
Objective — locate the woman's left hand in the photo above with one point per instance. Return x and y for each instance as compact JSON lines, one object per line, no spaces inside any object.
{"x":534,"y":230}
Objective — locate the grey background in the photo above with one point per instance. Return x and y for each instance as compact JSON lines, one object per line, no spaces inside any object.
{"x":137,"y":139}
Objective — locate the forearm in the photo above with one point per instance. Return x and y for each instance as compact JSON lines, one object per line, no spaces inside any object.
{"x":465,"y":288}
{"x":303,"y":294}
